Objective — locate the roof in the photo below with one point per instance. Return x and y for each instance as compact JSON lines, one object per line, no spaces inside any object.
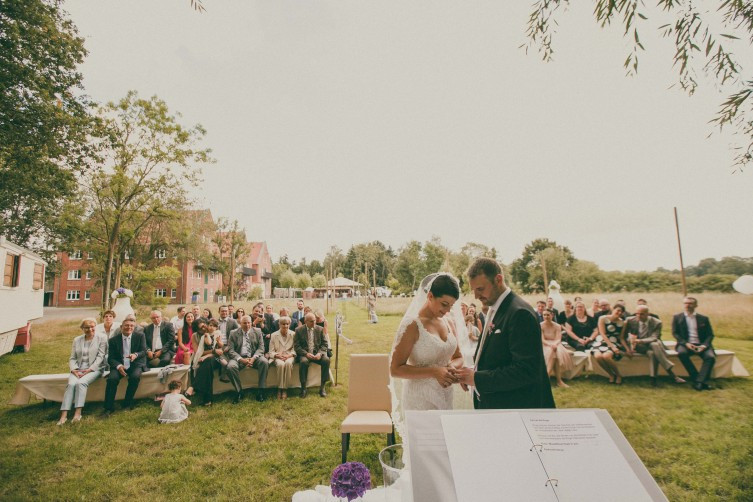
{"x":342,"y":282}
{"x":257,"y":249}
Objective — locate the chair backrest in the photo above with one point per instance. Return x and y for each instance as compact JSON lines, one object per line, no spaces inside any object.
{"x":368,"y":385}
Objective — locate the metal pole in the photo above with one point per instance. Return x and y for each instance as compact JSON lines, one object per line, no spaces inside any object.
{"x":679,"y":248}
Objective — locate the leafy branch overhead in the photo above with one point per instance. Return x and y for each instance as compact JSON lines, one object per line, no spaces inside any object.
{"x":704,"y":41}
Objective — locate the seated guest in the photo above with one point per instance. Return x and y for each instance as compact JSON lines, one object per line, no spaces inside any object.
{"x":231,"y":311}
{"x":297,"y":316}
{"x":540,"y":307}
{"x":311,"y":347}
{"x":160,"y":341}
{"x":86,"y":362}
{"x":240,"y":312}
{"x":282,"y":353}
{"x":108,"y":325}
{"x":581,"y":328}
{"x":550,"y":306}
{"x":284,"y":312}
{"x":269,"y":319}
{"x":610,"y":349}
{"x":641,"y":301}
{"x":226,"y":325}
{"x":562,"y":317}
{"x":258,"y":322}
{"x":127,"y":358}
{"x":558,"y":359}
{"x":321,"y":321}
{"x":178,"y":319}
{"x":642,"y":334}
{"x":206,"y":359}
{"x":246,"y":350}
{"x":694,"y":334}
{"x":206,"y":314}
{"x":595,"y":307}
{"x":604,"y":308}
{"x":184,"y":352}
{"x":625,"y":313}
{"x":477,"y":317}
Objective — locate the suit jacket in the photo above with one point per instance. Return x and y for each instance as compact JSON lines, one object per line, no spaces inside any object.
{"x":632,"y":326}
{"x":166,"y":334}
{"x":269,"y":324}
{"x":97,"y":352}
{"x":230,"y":325}
{"x":301,"y":341}
{"x":511,"y":372}
{"x":680,"y":329}
{"x":297,"y":316}
{"x":138,"y":347}
{"x":235,"y":343}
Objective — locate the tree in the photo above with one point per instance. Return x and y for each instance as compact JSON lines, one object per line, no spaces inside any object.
{"x":529,"y":269}
{"x":334,"y":260}
{"x":44,"y":119}
{"x":303,"y":280}
{"x":288,"y":279}
{"x":230,"y":249}
{"x":319,"y":281}
{"x":409,"y":266}
{"x":143,"y":280}
{"x":699,"y":49}
{"x":148,"y":159}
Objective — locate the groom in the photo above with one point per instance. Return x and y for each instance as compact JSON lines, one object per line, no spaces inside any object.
{"x":509,"y":369}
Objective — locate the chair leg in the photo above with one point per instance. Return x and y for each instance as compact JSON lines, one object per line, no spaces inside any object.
{"x":345,"y":446}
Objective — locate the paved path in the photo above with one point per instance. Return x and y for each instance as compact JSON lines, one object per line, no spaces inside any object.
{"x":67,"y":313}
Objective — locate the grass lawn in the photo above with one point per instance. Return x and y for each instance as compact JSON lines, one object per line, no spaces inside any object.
{"x":698,"y":445}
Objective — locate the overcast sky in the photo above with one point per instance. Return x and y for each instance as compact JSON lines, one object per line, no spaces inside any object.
{"x":339,"y":122}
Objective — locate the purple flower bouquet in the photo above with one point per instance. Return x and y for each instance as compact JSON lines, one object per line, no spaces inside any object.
{"x":350,"y":480}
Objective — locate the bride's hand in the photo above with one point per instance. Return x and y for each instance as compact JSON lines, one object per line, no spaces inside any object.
{"x":445,"y":376}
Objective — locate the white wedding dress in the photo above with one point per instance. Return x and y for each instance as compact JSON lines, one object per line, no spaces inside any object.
{"x":429,"y":350}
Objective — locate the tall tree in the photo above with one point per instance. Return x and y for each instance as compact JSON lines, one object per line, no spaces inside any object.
{"x":230,"y":249}
{"x":44,"y":119}
{"x":527,"y":270}
{"x":148,"y":160}
{"x":704,"y":45}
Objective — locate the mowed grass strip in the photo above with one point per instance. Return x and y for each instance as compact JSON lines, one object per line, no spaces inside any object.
{"x":698,"y":445}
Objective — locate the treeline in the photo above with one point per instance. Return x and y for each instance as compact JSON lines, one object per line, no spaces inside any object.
{"x":541,"y":261}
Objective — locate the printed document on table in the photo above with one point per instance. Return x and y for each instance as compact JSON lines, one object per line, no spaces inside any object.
{"x":580,"y":454}
{"x":492,"y":458}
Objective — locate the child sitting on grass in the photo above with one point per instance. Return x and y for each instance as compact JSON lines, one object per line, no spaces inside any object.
{"x":174,"y":405}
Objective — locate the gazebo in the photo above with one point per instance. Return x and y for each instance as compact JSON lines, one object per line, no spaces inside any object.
{"x":340,"y":286}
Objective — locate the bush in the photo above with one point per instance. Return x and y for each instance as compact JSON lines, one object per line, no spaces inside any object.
{"x":256,"y":293}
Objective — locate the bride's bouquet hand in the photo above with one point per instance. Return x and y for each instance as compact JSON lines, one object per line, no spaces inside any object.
{"x":446,"y":375}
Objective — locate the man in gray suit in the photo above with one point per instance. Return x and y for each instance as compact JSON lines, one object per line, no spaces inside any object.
{"x":160,"y":341}
{"x":642,"y":334}
{"x":226,"y":326}
{"x":311,"y":347}
{"x":246,"y":348}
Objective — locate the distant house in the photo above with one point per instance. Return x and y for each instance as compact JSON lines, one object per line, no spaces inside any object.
{"x":340,"y":285}
{"x":257,"y":269}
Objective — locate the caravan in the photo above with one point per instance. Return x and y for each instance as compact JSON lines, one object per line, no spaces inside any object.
{"x":21,"y":295}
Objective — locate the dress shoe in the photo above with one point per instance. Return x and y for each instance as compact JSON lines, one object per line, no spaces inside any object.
{"x":706,"y":386}
{"x":237,"y":398}
{"x":224,"y":379}
{"x":322,"y":392}
{"x":303,"y":392}
{"x":260,"y":396}
{"x":698,"y":386}
{"x":678,"y":379}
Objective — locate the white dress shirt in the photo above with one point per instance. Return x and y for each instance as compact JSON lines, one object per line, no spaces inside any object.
{"x":156,"y":338}
{"x":692,"y":329}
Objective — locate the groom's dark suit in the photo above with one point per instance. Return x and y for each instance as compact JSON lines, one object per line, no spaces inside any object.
{"x":511,"y":372}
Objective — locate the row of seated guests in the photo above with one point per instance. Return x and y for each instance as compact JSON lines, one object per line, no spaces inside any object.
{"x":614,"y":333}
{"x":126,"y":350}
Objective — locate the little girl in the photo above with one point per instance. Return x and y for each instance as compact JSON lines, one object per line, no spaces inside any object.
{"x":174,"y":405}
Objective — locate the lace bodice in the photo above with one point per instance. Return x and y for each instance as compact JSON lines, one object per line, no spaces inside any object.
{"x":429,"y":350}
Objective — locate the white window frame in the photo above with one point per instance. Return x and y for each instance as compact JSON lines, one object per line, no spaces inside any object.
{"x":198,"y":273}
{"x":160,"y":254}
{"x":73,"y":295}
{"x":173,"y":293}
{"x":160,"y":293}
{"x":88,"y":275}
{"x":89,"y":256}
{"x":74,"y":275}
{"x":87,"y":295}
{"x":75,"y":255}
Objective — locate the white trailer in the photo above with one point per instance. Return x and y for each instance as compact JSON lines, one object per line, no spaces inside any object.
{"x":21,"y":295}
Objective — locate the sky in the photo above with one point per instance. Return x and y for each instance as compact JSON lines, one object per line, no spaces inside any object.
{"x":341,"y":122}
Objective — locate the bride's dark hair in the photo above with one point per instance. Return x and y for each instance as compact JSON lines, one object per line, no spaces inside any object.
{"x":445,"y":285}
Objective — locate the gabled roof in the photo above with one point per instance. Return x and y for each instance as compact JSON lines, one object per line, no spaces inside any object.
{"x":342,"y":282}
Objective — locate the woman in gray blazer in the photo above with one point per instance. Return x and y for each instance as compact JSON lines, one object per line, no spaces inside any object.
{"x":87,"y":358}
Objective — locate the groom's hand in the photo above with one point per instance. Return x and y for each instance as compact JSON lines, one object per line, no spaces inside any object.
{"x":466,"y":376}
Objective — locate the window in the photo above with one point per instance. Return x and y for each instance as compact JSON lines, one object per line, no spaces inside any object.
{"x":173,"y":293}
{"x":72,"y":295}
{"x":160,"y":293}
{"x":12,"y":267}
{"x":38,"y":276}
{"x":87,"y":295}
{"x":211,"y":275}
{"x":89,"y":256}
{"x":88,"y":274}
{"x":198,"y":273}
{"x":74,"y":275}
{"x":160,"y":254}
{"x":76,"y":255}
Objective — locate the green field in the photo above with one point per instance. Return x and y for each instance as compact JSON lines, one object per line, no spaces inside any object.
{"x":697,"y":445}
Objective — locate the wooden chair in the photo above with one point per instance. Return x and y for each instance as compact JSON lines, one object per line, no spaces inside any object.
{"x":369,"y":399}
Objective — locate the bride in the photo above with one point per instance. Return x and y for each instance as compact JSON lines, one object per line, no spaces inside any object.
{"x":426,"y":353}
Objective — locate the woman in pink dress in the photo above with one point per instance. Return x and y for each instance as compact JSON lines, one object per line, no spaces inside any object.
{"x":185,"y":335}
{"x":558,"y":358}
